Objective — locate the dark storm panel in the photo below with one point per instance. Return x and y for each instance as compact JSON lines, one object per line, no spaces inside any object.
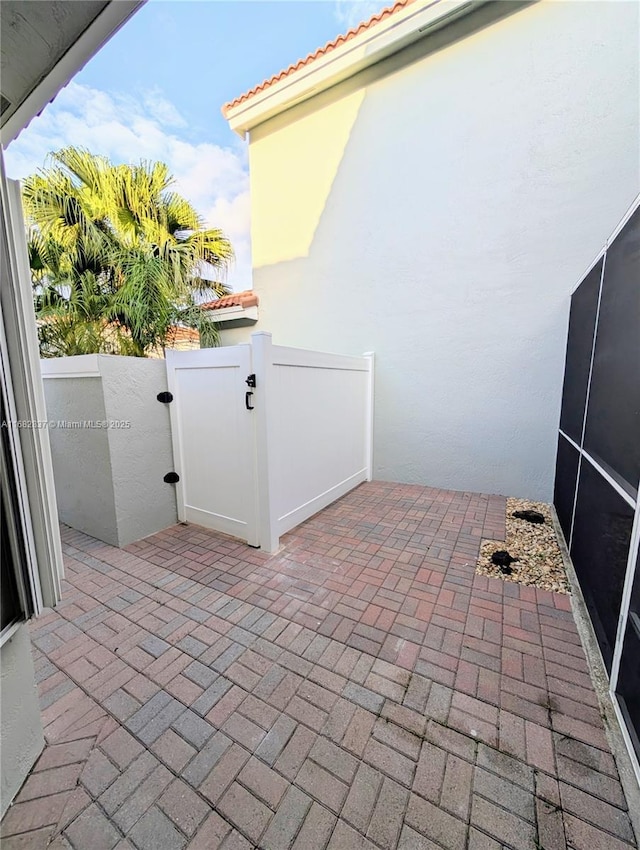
{"x":565,"y":486}
{"x":10,"y":607}
{"x":599,"y":550}
{"x":582,"y":322}
{"x":613,"y":420}
{"x":628,"y":688}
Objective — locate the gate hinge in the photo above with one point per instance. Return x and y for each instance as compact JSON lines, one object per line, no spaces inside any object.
{"x":165,"y":397}
{"x":251,"y":380}
{"x":171,"y":478}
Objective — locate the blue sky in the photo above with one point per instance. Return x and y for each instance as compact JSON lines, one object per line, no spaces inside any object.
{"x":155,"y":92}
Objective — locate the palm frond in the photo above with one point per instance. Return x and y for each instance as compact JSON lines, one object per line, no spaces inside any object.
{"x":115,"y":248}
{"x":193,"y":316}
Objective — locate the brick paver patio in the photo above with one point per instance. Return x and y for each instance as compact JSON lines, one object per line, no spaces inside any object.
{"x":362,"y":689}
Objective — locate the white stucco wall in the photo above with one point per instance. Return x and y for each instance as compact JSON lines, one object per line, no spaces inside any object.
{"x":109,"y":482}
{"x":81,"y":458}
{"x":439,"y":209}
{"x":21,"y":736}
{"x":141,"y":455}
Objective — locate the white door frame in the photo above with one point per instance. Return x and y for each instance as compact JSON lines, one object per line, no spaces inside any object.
{"x":21,"y":366}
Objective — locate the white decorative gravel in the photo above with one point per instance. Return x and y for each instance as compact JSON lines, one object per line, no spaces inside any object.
{"x":539,"y":561}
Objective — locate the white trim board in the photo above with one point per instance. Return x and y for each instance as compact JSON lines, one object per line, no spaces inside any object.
{"x":28,"y":390}
{"x":80,"y":366}
{"x":372,"y":45}
{"x":228,"y":314}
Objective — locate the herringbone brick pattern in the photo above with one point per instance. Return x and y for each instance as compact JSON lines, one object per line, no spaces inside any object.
{"x":361,"y":690}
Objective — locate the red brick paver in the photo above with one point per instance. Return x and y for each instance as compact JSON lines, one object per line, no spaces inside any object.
{"x":361,"y":689}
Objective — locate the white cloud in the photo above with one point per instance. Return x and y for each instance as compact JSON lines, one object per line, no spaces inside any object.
{"x":162,"y":109}
{"x":214,"y":179}
{"x":349,"y":13}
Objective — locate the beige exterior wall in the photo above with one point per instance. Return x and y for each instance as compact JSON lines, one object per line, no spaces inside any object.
{"x":438,"y":209}
{"x":292,"y":174}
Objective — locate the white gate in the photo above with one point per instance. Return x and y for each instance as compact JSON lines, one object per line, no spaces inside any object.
{"x":256,"y":460}
{"x":214,"y":440}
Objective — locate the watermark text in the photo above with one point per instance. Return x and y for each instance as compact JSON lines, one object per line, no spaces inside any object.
{"x":66,"y":424}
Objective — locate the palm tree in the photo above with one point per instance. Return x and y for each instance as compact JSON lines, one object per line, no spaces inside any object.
{"x":117,"y":258}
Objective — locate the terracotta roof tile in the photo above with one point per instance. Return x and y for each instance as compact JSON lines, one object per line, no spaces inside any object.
{"x":321,"y":51}
{"x":248,"y":298}
{"x":178,"y":334}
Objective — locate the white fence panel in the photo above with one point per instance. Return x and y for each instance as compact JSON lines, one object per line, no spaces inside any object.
{"x":304,"y":441}
{"x":214,"y":439}
{"x":317,"y":424}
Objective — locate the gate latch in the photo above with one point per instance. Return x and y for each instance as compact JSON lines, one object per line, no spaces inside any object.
{"x":250,"y":382}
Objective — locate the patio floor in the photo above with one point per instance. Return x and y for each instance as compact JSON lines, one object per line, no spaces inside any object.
{"x":361,"y":689}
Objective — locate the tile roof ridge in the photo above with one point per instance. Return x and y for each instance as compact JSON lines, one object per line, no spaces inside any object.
{"x":321,"y":51}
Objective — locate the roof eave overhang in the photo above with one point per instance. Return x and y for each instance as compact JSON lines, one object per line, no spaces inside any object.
{"x":237,"y":313}
{"x":78,"y":53}
{"x":371,"y":46}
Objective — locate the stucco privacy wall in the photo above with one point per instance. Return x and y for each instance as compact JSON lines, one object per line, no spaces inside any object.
{"x":109,"y":482}
{"x":439,"y":208}
{"x":142,"y":455}
{"x":21,"y":728}
{"x":81,"y":458}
